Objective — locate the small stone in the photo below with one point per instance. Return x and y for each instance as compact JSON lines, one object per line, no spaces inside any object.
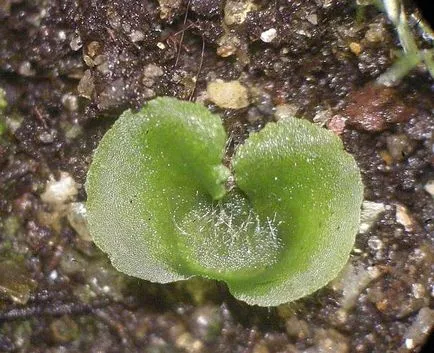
{"x":78,"y":220}
{"x":297,"y":328}
{"x":236,"y":11}
{"x":93,"y":48}
{"x":374,"y":108}
{"x":47,"y":137}
{"x":429,"y":187}
{"x":86,"y":85}
{"x":15,"y":281}
{"x":76,"y":43}
{"x":168,"y":8}
{"x":376,"y":33}
{"x":418,"y":290}
{"x":152,"y":70}
{"x":337,"y":124}
{"x":70,"y":102}
{"x":64,"y":329}
{"x":268,"y":35}
{"x":355,"y":48}
{"x":322,"y":117}
{"x":58,"y":192}
{"x":26,"y":69}
{"x":229,"y":94}
{"x":285,"y":111}
{"x":103,"y":280}
{"x":404,"y":218}
{"x":312,"y":18}
{"x":100,"y":59}
{"x":150,"y":73}
{"x":386,"y":157}
{"x":72,"y":131}
{"x":148,"y":93}
{"x":330,"y":341}
{"x":375,"y":243}
{"x":61,"y":35}
{"x":88,"y":60}
{"x":341,"y":316}
{"x":186,"y":342}
{"x":370,"y":213}
{"x":136,"y":36}
{"x":228,"y":45}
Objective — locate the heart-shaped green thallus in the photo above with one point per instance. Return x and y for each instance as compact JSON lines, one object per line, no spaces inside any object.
{"x":158,"y":204}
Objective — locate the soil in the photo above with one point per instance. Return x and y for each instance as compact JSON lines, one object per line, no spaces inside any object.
{"x":68,"y":68}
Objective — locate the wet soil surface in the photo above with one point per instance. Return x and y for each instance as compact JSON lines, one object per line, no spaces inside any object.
{"x":68,"y":68}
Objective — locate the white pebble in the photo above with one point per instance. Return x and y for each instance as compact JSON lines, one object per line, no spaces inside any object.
{"x":268,"y":35}
{"x":58,"y":192}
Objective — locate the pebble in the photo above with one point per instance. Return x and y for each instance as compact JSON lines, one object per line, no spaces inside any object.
{"x":429,"y":187}
{"x":47,"y":137}
{"x":70,"y":102}
{"x":285,"y":111}
{"x":312,"y":18}
{"x":76,"y":43}
{"x":376,"y":33}
{"x":228,"y":45}
{"x":168,"y":8}
{"x":26,"y":69}
{"x":136,"y":36}
{"x":375,"y":243}
{"x":229,"y":94}
{"x":64,"y":329}
{"x":374,"y":108}
{"x":58,"y":192}
{"x":269,"y":35}
{"x":61,"y":35}
{"x":150,"y":73}
{"x":93,"y":48}
{"x":297,"y":328}
{"x":15,"y":281}
{"x":236,"y":11}
{"x":152,"y":70}
{"x":322,"y":117}
{"x":186,"y":342}
{"x":404,"y":218}
{"x":355,"y":48}
{"x":370,"y":213}
{"x":337,"y":124}
{"x":77,"y":219}
{"x":86,"y":85}
{"x":329,"y":341}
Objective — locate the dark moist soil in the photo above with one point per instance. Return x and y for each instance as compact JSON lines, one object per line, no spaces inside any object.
{"x":68,"y":68}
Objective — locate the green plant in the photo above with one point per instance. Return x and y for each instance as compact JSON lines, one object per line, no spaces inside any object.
{"x":159,"y":204}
